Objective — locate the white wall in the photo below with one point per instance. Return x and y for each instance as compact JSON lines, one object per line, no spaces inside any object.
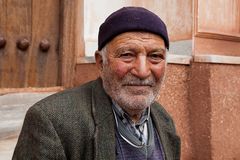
{"x":95,"y":12}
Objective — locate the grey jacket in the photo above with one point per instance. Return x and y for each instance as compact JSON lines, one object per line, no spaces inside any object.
{"x":79,"y":124}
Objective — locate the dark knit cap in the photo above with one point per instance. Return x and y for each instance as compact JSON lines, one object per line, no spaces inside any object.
{"x":131,"y":19}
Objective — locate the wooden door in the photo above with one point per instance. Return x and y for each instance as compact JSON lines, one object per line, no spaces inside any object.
{"x":29,"y":43}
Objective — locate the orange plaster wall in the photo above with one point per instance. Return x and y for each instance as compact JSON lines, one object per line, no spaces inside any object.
{"x":174,"y":97}
{"x":85,"y":73}
{"x":200,"y":111}
{"x":225,"y":111}
{"x":214,"y":100}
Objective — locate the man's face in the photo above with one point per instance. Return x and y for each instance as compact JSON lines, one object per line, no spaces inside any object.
{"x":134,"y":69}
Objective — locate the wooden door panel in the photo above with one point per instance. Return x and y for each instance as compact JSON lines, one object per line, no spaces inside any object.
{"x":44,"y":69}
{"x":3,"y":35}
{"x":15,"y":25}
{"x":18,"y":28}
{"x":29,"y":21}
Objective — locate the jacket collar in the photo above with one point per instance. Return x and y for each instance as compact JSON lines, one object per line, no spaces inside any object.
{"x":104,"y":138}
{"x":166,"y":131}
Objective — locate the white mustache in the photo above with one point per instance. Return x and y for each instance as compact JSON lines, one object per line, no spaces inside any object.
{"x":132,"y":80}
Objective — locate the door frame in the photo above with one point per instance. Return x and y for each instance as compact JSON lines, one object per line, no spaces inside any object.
{"x":71,"y":39}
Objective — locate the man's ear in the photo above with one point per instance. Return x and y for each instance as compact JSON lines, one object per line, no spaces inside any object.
{"x":99,"y":60}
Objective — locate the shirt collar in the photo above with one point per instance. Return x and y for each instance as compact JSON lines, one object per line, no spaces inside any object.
{"x":125,"y":117}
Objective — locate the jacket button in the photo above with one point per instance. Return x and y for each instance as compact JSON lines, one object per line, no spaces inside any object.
{"x":2,"y":42}
{"x":44,"y":45}
{"x":23,"y":44}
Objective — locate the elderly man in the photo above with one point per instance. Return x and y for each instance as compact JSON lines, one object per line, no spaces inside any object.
{"x":115,"y":116}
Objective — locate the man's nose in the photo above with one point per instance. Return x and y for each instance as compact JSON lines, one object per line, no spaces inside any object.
{"x":141,"y":68}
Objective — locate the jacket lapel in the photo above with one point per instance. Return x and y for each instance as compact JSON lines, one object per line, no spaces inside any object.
{"x":104,"y":138}
{"x":170,"y":141}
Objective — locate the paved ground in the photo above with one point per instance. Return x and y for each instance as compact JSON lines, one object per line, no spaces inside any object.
{"x":13,"y":108}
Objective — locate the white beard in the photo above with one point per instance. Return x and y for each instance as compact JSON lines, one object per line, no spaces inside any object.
{"x":127,"y":97}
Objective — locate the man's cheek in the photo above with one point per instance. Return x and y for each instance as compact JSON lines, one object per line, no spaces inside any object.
{"x":159,"y":72}
{"x":121,"y":70}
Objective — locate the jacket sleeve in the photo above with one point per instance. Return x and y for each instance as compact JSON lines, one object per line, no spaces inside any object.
{"x":38,"y":139}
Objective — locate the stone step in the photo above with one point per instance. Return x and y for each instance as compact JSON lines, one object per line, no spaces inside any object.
{"x":13,"y":108}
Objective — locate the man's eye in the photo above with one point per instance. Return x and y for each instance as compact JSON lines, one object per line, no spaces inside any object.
{"x":156,"y":57}
{"x":127,"y":55}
